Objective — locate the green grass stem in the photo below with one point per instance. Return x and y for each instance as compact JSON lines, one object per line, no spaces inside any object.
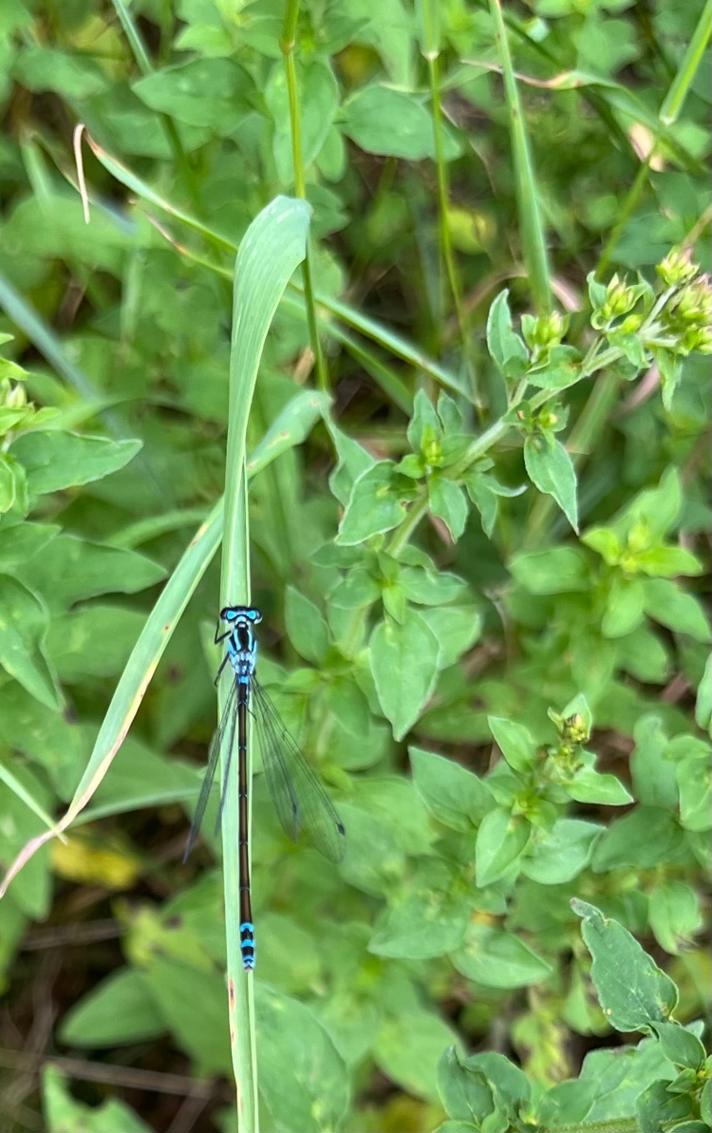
{"x":533,"y":239}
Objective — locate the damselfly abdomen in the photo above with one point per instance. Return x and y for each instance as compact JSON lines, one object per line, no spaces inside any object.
{"x":299,"y":798}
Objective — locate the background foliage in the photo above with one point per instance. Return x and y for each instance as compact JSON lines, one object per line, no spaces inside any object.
{"x":480,"y":524}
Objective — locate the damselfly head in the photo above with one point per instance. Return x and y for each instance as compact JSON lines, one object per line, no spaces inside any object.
{"x":241,"y":615}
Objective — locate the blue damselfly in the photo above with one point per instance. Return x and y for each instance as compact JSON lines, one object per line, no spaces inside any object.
{"x":299,"y":798}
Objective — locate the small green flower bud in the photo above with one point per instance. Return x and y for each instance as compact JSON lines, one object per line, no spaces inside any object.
{"x":575,"y":730}
{"x":631,"y":324}
{"x":694,"y":303}
{"x":15,"y":396}
{"x":619,"y":298}
{"x":677,"y":268}
{"x":547,"y":330}
{"x":697,"y":340}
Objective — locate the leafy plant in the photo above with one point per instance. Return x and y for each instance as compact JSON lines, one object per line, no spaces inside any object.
{"x":467,"y":401}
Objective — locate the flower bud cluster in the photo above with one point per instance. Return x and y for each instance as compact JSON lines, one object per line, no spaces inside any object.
{"x":688,"y":317}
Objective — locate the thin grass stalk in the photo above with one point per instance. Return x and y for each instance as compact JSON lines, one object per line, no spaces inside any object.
{"x":445,"y":242}
{"x":143,"y":61}
{"x":287,"y":44}
{"x":430,"y":46}
{"x":533,"y":241}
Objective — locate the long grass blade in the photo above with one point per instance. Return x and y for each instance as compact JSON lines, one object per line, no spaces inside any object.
{"x":273,"y":247}
{"x":533,"y":240}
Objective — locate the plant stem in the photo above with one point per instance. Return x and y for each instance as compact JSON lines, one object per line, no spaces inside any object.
{"x":287,"y":44}
{"x":446,"y":251}
{"x":533,"y":241}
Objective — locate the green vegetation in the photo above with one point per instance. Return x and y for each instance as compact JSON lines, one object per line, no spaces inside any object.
{"x":401,"y":308}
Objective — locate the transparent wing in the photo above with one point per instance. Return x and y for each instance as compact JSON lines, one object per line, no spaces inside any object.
{"x":301,"y":802}
{"x":223,"y":740}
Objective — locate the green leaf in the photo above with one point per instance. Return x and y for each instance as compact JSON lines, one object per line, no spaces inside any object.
{"x":392,"y":123}
{"x":453,"y":795}
{"x":64,"y":1114}
{"x":23,"y":627}
{"x":306,"y":627}
{"x":674,"y":915}
{"x":412,"y":1064}
{"x":449,"y":503}
{"x":667,"y":562}
{"x":589,"y":786}
{"x":558,"y":855}
{"x":374,"y":505}
{"x":457,"y":628}
{"x":428,"y":918}
{"x":501,"y":841}
{"x":57,"y":460}
{"x":70,"y":569}
{"x":498,"y":959}
{"x":633,"y":992}
{"x":117,"y":1011}
{"x":645,"y":837}
{"x":555,"y":571}
{"x":680,"y":611}
{"x":404,"y":663}
{"x":318,"y":103}
{"x":174,"y":987}
{"x":314,"y":1095}
{"x":680,"y":1045}
{"x":13,"y":484}
{"x":18,"y":788}
{"x":289,"y":428}
{"x":550,"y":468}
{"x":202,"y":92}
{"x":625,"y":604}
{"x":72,"y":74}
{"x":464,"y":1089}
{"x":515,"y":742}
{"x":703,"y":704}
{"x":506,"y":348}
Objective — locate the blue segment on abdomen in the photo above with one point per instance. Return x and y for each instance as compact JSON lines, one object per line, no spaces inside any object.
{"x":247,"y":945}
